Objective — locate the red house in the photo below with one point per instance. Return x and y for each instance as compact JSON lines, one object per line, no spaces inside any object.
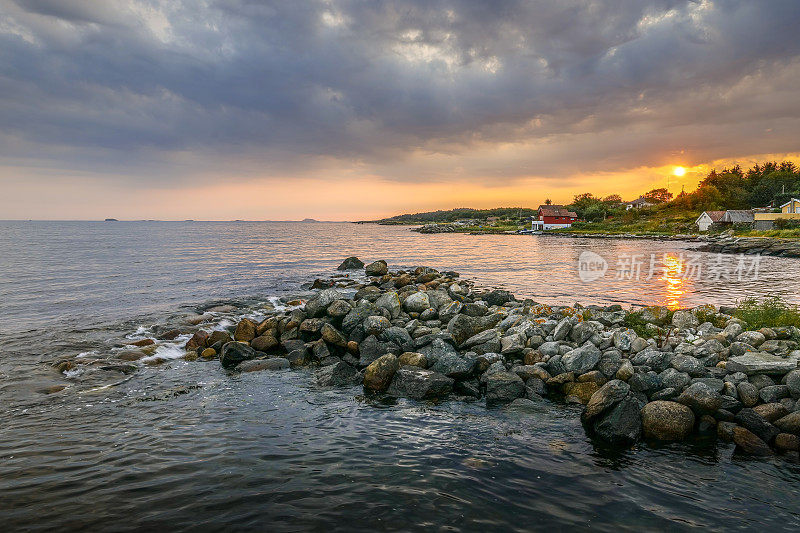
{"x":552,"y":217}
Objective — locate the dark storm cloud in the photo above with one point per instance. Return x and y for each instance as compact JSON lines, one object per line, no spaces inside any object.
{"x":119,"y":85}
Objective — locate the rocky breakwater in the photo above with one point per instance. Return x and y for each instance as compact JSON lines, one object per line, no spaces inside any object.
{"x":429,"y":335}
{"x":729,"y":244}
{"x":436,"y":228}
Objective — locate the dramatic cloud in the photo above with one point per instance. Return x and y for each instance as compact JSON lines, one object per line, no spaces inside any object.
{"x":156,"y":93}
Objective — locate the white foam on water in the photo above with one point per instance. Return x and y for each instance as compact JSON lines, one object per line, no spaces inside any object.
{"x":166,"y":351}
{"x":223,"y":324}
{"x":74,"y":373}
{"x":87,"y":354}
{"x":140,"y":333}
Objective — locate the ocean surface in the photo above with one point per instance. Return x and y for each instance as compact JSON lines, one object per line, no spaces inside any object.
{"x":189,"y":446}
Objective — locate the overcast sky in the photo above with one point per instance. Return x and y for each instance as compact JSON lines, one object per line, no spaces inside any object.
{"x":354,"y":109}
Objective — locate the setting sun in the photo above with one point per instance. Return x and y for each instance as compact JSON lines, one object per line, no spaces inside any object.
{"x":679,"y":171}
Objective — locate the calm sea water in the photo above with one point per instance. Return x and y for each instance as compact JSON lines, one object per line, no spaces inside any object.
{"x":189,"y":446}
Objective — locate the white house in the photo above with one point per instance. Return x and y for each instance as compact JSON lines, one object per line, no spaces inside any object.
{"x":638,"y":203}
{"x":708,"y":218}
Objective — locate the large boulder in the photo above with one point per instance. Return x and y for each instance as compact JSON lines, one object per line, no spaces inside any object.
{"x":234,"y":353}
{"x":760,"y":363}
{"x":419,"y":384}
{"x":504,"y":387}
{"x":351,"y":263}
{"x":264,"y":343}
{"x":316,"y":306}
{"x":684,"y":319}
{"x":245,"y":330}
{"x":790,"y":423}
{"x":498,"y":297}
{"x":620,"y":425}
{"x":378,"y":375}
{"x":413,"y":359}
{"x":437,"y":350}
{"x":667,"y":421}
{"x":371,"y":348}
{"x":391,"y":302}
{"x":417,"y":302}
{"x":462,"y":327}
{"x":753,"y":338}
{"x":454,"y":365}
{"x":582,"y":359}
{"x":606,"y":397}
{"x":749,"y":443}
{"x":378,"y":268}
{"x":750,"y":419}
{"x":337,"y":375}
{"x":701,"y":399}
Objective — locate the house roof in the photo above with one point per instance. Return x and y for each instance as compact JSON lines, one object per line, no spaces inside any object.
{"x":640,"y":201}
{"x":715,"y":216}
{"x":736,"y":215}
{"x":790,"y":201}
{"x":556,"y":211}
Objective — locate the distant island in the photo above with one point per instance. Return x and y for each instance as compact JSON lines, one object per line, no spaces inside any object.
{"x":309,"y":220}
{"x":111,"y":220}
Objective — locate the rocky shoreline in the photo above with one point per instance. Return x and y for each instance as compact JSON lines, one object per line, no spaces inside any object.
{"x":429,"y":335}
{"x":728,"y":244}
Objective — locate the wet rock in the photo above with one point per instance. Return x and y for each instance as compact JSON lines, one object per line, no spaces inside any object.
{"x":498,"y":297}
{"x":605,"y":397}
{"x":747,"y":442}
{"x":170,"y":335}
{"x":234,"y":353}
{"x":725,"y":430}
{"x":130,"y":355}
{"x":378,"y":268}
{"x":218,"y":337}
{"x":351,"y":263}
{"x":198,"y":340}
{"x":142,"y":343}
{"x":749,"y":419}
{"x":620,"y":425}
{"x":419,"y":384}
{"x":245,"y":330}
{"x":504,"y":387}
{"x":535,"y":388}
{"x":378,"y":375}
{"x":208,"y":353}
{"x":667,"y":421}
{"x":339,"y":374}
{"x":264,"y":343}
{"x":338,"y":310}
{"x":582,"y":392}
{"x":371,"y":349}
{"x":332,"y":336}
{"x":701,"y":399}
{"x":274,"y":363}
{"x":375,"y":325}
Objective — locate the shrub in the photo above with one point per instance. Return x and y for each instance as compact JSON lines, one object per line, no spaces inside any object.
{"x":770,"y":311}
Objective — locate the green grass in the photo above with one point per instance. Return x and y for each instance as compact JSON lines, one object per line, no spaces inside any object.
{"x":770,"y":311}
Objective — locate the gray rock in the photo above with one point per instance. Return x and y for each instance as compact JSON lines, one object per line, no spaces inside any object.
{"x":582,"y":332}
{"x":462,"y":327}
{"x":625,"y":371}
{"x":605,"y":397}
{"x":316,"y":306}
{"x":371,"y":348}
{"x":481,"y":338}
{"x":622,"y":424}
{"x":582,"y":359}
{"x":504,"y":387}
{"x":748,"y":393}
{"x":751,"y":420}
{"x":683,"y":319}
{"x":436,"y":350}
{"x":234,"y":353}
{"x":701,"y":399}
{"x":760,"y":363}
{"x":419,"y":384}
{"x":549,"y":348}
{"x":512,"y":344}
{"x":417,"y":302}
{"x":398,"y":336}
{"x":447,"y":312}
{"x":645,"y":382}
{"x":688,"y":364}
{"x":378,"y":268}
{"x":790,"y":423}
{"x":351,"y":263}
{"x":391,"y":302}
{"x":792,"y":380}
{"x":562,"y":330}
{"x":674,"y":378}
{"x":454,"y":366}
{"x":773,"y":393}
{"x":337,"y":375}
{"x":375,"y":325}
{"x":255,"y":365}
{"x":623,"y":339}
{"x":753,"y":338}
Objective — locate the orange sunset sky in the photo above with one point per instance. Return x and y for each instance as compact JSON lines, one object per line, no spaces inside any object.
{"x":341,"y":110}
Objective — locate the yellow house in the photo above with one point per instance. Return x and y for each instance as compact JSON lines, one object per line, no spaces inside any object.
{"x":792,"y":206}
{"x":789,"y":211}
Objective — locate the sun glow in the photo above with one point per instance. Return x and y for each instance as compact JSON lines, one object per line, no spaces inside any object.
{"x":679,"y":171}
